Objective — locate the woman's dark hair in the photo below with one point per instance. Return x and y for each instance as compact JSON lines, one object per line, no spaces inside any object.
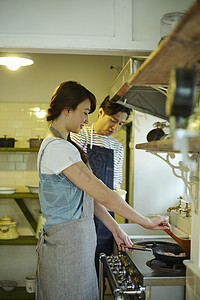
{"x":111,"y":108}
{"x":70,"y":94}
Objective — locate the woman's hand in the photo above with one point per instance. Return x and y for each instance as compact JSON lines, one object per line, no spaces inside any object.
{"x":121,"y":238}
{"x":157,"y":222}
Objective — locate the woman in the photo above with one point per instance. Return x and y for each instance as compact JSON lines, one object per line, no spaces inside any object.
{"x":105,"y":155}
{"x":66,"y":249}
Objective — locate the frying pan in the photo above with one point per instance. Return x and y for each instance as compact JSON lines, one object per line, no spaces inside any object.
{"x":173,"y":248}
{"x":158,"y":248}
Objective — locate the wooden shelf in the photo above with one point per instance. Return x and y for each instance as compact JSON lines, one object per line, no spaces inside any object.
{"x":22,"y":240}
{"x":167,"y":145}
{"x":19,"y":293}
{"x":19,"y":196}
{"x":180,"y":49}
{"x":19,"y":199}
{"x":10,"y":149}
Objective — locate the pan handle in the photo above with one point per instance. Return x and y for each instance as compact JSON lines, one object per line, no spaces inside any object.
{"x":136,"y":247}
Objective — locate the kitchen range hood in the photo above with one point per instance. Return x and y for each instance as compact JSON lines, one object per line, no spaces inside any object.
{"x":146,"y":99}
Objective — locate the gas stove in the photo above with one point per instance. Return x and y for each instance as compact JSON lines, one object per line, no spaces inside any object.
{"x":139,"y":275}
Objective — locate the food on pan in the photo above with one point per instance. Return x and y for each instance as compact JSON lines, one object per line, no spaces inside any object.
{"x":182,"y":254}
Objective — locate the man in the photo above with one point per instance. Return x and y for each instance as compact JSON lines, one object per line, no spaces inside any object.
{"x":105,"y":155}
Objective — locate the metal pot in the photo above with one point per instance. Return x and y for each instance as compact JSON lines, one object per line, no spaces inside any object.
{"x":8,"y":229}
{"x":35,"y":143}
{"x":7,"y":142}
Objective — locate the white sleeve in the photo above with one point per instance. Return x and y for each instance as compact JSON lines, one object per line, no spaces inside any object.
{"x":60,"y":155}
{"x":118,"y":167}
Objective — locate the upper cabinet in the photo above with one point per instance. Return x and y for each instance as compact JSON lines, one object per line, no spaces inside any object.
{"x":122,"y":27}
{"x":181,"y":48}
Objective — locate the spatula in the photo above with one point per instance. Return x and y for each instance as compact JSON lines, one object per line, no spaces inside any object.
{"x":184,"y":244}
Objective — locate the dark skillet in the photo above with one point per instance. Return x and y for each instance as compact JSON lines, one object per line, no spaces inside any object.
{"x":175,"y":249}
{"x":158,"y":248}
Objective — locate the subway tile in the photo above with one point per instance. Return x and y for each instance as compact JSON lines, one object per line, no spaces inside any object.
{"x":30,"y":156}
{"x":30,"y":175}
{"x":15,"y":157}
{"x":15,"y":122}
{"x":7,"y":130}
{"x":23,"y":132}
{"x":5,"y":166}
{"x":3,"y":156}
{"x":20,"y":166}
{"x":8,"y":182}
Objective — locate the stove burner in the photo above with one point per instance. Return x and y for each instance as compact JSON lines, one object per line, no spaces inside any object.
{"x":167,"y":268}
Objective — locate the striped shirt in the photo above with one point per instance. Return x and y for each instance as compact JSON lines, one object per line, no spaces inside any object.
{"x":85,"y":137}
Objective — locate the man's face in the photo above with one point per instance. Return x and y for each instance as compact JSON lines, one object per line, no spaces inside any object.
{"x":110,"y":124}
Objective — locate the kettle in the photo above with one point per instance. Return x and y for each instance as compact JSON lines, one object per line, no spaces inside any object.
{"x":8,"y":229}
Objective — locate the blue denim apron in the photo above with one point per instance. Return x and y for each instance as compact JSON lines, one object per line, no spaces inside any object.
{"x":102,"y":163}
{"x":66,"y":251}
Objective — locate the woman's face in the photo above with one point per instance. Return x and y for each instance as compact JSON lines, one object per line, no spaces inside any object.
{"x":110,"y":124}
{"x":79,"y":116}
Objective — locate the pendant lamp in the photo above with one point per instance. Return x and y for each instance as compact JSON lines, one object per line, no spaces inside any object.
{"x":14,"y":61}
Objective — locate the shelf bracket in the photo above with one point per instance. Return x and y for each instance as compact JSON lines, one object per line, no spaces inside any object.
{"x":27,"y":213}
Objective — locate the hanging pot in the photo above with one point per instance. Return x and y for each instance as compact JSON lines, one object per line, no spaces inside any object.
{"x":7,"y":142}
{"x":8,"y":229}
{"x":157,"y":133}
{"x":35,"y":143}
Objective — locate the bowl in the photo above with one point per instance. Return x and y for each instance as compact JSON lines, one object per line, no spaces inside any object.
{"x":8,"y":285}
{"x":33,"y":189}
{"x":7,"y":190}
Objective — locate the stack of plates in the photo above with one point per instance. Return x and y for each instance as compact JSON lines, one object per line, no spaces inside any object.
{"x":7,"y":190}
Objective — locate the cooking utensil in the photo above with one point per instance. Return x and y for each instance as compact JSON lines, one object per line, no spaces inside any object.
{"x":7,"y":142}
{"x":155,"y":134}
{"x":136,"y":247}
{"x":159,"y":250}
{"x":183,"y":243}
{"x":35,"y":143}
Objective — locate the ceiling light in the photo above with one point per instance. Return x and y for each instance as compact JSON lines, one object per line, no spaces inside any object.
{"x":40,"y":114}
{"x":14,"y":62}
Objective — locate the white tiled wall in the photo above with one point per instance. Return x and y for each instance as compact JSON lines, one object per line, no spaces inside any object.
{"x":18,"y":120}
{"x":17,"y":262}
{"x":18,"y":169}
